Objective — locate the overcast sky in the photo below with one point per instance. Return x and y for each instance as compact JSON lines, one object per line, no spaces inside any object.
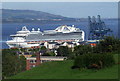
{"x":69,"y":9}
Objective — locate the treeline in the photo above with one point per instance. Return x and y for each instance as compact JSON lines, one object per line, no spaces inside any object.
{"x":108,"y":45}
{"x":12,"y":63}
{"x":99,"y":56}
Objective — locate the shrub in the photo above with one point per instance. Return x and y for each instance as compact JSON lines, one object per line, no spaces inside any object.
{"x":94,"y":66}
{"x":75,"y":67}
{"x":109,"y":44}
{"x":12,"y":63}
{"x":64,"y":51}
{"x":82,"y":49}
{"x":33,"y":55}
{"x":94,"y":61}
{"x":46,"y":54}
{"x":49,"y":54}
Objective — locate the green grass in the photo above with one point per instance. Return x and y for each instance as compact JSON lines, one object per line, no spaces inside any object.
{"x":62,"y":70}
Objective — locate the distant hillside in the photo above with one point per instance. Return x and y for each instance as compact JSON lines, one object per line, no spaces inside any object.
{"x":9,"y":15}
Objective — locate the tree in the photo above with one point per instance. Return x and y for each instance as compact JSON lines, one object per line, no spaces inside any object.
{"x":63,"y":51}
{"x":43,"y":48}
{"x":33,"y":55}
{"x":51,"y":53}
{"x":12,"y":63}
{"x":94,"y":61}
{"x":109,"y":44}
{"x":82,"y":49}
{"x":22,"y":60}
{"x":8,"y":63}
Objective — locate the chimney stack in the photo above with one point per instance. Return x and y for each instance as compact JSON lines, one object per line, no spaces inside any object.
{"x":37,"y":58}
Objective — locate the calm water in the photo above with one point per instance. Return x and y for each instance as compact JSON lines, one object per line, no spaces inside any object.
{"x":11,"y":28}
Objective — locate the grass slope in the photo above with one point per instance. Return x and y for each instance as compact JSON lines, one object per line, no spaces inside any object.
{"x":62,"y":70}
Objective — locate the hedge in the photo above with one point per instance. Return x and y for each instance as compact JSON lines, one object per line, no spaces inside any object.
{"x":94,"y":60}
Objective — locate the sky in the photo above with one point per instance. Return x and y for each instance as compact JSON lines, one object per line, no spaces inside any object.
{"x":69,"y":9}
{"x":59,"y":0}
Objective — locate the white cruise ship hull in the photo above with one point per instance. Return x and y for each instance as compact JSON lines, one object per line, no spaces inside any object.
{"x":27,"y":39}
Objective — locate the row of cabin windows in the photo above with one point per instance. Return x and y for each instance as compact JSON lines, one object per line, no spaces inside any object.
{"x":34,"y":61}
{"x":46,"y":60}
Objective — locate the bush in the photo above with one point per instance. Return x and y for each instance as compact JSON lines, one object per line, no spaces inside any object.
{"x":49,"y":54}
{"x":109,"y":44}
{"x":33,"y":55}
{"x":94,"y":61}
{"x":82,"y":49}
{"x":75,"y":67}
{"x":12,"y":63}
{"x":46,"y":54}
{"x":64,"y":51}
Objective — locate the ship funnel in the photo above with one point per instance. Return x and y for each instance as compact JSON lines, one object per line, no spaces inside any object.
{"x":93,"y":19}
{"x":38,"y":29}
{"x":33,"y":29}
{"x":99,"y":20}
{"x":24,"y":28}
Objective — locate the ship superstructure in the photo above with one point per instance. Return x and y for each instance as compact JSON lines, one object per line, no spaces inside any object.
{"x":26,"y":38}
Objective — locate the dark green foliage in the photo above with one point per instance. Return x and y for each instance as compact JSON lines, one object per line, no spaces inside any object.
{"x":22,"y":62}
{"x":82,"y":49}
{"x":36,"y":49}
{"x":46,"y":54}
{"x":33,"y":50}
{"x":71,"y":55}
{"x":43,"y":48}
{"x":63,"y":51}
{"x":109,"y":44}
{"x":22,"y":49}
{"x":99,"y":56}
{"x":51,"y":53}
{"x":12,"y":63}
{"x":102,"y":60}
{"x":33,"y":55}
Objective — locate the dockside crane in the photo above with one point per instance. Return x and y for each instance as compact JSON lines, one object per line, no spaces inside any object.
{"x":97,"y":29}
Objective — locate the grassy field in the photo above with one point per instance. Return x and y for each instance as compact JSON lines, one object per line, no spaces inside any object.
{"x":62,"y":70}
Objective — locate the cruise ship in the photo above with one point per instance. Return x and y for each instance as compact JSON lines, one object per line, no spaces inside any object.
{"x":27,"y":39}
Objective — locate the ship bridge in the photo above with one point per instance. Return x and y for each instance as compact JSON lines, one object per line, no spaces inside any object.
{"x":24,"y":30}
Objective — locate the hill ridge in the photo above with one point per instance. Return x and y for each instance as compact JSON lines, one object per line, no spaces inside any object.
{"x":30,"y":15}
